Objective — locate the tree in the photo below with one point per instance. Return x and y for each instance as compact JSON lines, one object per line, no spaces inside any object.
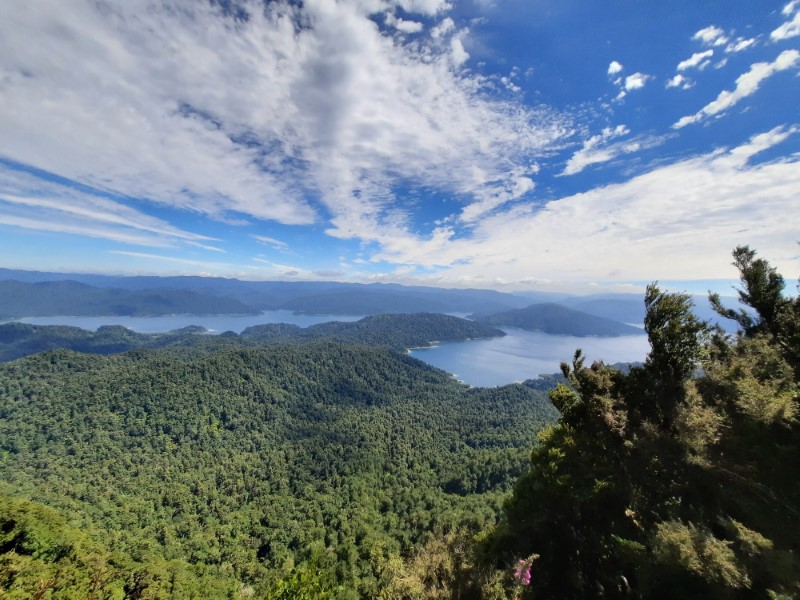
{"x":678,"y":479}
{"x":676,"y":339}
{"x":762,"y":290}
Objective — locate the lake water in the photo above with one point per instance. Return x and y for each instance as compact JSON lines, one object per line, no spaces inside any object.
{"x":524,"y":355}
{"x":216,"y":323}
{"x":518,"y":356}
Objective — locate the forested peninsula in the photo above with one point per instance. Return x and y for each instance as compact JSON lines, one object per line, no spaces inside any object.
{"x":274,"y":465}
{"x":396,"y":331}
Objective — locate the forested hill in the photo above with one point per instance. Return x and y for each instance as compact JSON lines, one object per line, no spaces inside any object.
{"x":397,"y":331}
{"x":211,"y":476}
{"x":393,"y":331}
{"x":59,"y":298}
{"x":557,"y":319}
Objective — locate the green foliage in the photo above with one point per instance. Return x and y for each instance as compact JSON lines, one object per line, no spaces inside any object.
{"x":243,"y":472}
{"x":41,"y":556}
{"x":762,"y":291}
{"x":309,"y":581}
{"x":396,"y":331}
{"x":678,"y":479}
{"x":772,"y":314}
{"x":392,"y":331}
{"x":675,"y":335}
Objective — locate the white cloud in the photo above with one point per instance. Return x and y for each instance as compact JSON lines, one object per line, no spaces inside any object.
{"x":790,"y":7}
{"x":515,"y":187}
{"x":746,"y":85}
{"x":711,"y":36}
{"x":277,"y":244}
{"x":788,"y":30}
{"x":508,"y":83}
{"x":653,"y":226}
{"x":176,"y":104}
{"x":636,"y":81}
{"x":739,"y":44}
{"x":595,"y":150}
{"x":714,"y":36}
{"x":457,"y":53}
{"x":614,"y":68}
{"x":444,"y":28}
{"x":209,"y":268}
{"x":680,"y":81}
{"x":698,"y":60}
{"x":30,"y":202}
{"x":403,"y":25}
{"x":424,"y":7}
{"x":105,"y":104}
{"x":81,"y":228}
{"x":206,"y":247}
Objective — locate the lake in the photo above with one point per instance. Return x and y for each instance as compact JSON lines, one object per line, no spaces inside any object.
{"x":524,"y":355}
{"x":518,"y":356}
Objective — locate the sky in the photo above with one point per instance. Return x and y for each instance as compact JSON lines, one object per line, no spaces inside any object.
{"x":555,"y":145}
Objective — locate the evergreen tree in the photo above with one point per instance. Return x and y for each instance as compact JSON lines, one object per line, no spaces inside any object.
{"x":679,"y":479}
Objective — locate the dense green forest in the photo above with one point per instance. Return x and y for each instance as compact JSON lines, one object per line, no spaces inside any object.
{"x":245,"y":470}
{"x":398,"y":332}
{"x":269,"y":465}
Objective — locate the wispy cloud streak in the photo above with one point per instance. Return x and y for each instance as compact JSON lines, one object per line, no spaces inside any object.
{"x":746,"y":85}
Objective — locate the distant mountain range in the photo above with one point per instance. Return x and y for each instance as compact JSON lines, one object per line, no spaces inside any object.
{"x":246,"y":296}
{"x":70,"y":298}
{"x":32,"y":294}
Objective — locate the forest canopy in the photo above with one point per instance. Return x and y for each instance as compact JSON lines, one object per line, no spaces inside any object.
{"x":679,"y":479}
{"x":244,"y":470}
{"x":341,"y":468}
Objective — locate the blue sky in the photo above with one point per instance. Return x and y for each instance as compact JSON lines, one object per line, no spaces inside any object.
{"x":516,"y":144}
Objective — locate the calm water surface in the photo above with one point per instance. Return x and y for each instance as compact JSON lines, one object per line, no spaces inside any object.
{"x":524,"y":355}
{"x":518,"y":356}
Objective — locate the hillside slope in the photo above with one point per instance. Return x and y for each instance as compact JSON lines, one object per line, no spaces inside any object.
{"x":223,"y":469}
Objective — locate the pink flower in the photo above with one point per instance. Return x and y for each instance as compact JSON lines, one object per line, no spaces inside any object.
{"x":523,"y":573}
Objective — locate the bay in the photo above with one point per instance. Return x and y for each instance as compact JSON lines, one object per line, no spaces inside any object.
{"x":490,"y":362}
{"x":522,"y":355}
{"x":214,"y":323}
